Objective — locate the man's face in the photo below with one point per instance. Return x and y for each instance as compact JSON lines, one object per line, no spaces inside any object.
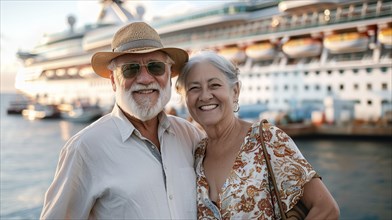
{"x":143,"y":95}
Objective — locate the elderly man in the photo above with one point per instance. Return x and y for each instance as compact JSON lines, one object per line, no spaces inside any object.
{"x":136,"y":162}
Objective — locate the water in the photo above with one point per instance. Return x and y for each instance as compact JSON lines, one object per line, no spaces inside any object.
{"x":357,"y":172}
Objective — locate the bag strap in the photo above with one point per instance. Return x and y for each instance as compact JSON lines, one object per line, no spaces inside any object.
{"x":282,"y":213}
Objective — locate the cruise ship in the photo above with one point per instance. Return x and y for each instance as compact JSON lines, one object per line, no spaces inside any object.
{"x":329,"y":56}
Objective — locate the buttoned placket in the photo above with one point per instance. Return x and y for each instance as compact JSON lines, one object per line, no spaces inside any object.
{"x":157,"y":154}
{"x":165,"y":161}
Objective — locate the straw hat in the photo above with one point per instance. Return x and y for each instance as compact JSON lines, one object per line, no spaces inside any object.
{"x":136,"y":38}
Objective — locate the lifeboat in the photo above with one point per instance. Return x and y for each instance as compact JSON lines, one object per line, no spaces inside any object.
{"x":346,"y":42}
{"x":234,"y":54}
{"x":303,"y":47}
{"x":385,"y":36}
{"x":261,"y":51}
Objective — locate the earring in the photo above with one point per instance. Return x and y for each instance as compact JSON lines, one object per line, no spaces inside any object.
{"x":236,"y":106}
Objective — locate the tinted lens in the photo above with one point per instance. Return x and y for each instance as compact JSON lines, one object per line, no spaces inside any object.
{"x":156,"y":68}
{"x":130,"y":70}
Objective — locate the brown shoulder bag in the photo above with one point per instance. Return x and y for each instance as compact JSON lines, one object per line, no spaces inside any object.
{"x":299,"y":211}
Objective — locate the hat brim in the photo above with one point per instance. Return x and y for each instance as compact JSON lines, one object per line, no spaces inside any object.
{"x":101,"y":60}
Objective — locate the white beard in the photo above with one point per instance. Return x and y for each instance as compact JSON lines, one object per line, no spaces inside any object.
{"x":143,"y":110}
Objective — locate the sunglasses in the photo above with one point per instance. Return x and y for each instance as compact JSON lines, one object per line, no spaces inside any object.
{"x":154,"y":68}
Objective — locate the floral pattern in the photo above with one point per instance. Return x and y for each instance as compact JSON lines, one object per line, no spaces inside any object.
{"x":246,"y":193}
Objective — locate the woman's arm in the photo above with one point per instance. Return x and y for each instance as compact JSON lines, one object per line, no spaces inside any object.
{"x":319,"y":201}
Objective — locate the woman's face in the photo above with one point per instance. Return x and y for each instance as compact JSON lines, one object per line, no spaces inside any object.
{"x":208,"y":95}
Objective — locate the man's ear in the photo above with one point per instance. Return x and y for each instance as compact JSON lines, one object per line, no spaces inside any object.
{"x":112,"y":81}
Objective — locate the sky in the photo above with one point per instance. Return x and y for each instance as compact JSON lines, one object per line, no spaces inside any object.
{"x":24,"y":22}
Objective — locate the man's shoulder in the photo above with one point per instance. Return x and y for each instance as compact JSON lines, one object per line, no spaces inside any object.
{"x":182,"y":125}
{"x":177,"y":121}
{"x":95,"y":130}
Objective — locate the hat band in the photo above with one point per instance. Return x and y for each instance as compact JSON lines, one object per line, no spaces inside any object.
{"x":142,"y":43}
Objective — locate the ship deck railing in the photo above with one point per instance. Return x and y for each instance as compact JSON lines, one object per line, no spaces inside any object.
{"x":280,"y":26}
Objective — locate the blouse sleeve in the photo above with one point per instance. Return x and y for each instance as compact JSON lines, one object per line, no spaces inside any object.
{"x":292,"y":171}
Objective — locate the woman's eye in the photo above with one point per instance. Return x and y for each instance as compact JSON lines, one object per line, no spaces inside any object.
{"x":215,"y":85}
{"x":192,"y":88}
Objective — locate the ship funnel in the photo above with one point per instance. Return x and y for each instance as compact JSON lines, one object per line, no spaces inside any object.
{"x":112,"y":11}
{"x":140,"y":10}
{"x":71,"y":22}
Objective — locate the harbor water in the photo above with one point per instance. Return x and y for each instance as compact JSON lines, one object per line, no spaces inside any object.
{"x":357,"y":171}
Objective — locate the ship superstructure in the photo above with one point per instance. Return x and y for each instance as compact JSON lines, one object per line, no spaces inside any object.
{"x":314,"y":55}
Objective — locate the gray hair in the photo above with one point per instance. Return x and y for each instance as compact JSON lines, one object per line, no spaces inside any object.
{"x":227,"y":67}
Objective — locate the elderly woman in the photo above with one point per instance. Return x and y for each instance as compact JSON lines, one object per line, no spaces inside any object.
{"x":232,"y":177}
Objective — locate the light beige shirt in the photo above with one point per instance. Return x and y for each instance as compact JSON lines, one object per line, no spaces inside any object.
{"x":109,"y":171}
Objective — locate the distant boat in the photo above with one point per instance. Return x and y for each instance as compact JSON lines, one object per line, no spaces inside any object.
{"x":347,"y":42}
{"x":16,"y":107}
{"x":81,"y":113}
{"x":40,"y":111}
{"x":261,"y":51}
{"x":385,"y":36}
{"x":234,"y":54}
{"x":303,"y":47}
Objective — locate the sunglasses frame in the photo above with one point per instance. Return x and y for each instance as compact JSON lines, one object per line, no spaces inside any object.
{"x":140,"y":68}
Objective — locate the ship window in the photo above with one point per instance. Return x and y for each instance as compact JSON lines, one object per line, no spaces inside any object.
{"x":369,"y":70}
{"x":355,"y":70}
{"x":356,"y":86}
{"x":369,"y":86}
{"x":329,"y":88}
{"x":341,"y":87}
{"x":329,"y":72}
{"x":286,"y":87}
{"x":384,"y":86}
{"x":357,"y":101}
{"x":384,"y":101}
{"x":72,"y":71}
{"x":317,"y":72}
{"x":267,"y":88}
{"x":342,"y":71}
{"x":317,"y":87}
{"x":258,"y":88}
{"x":384,"y":69}
{"x":369,"y":102}
{"x":306,"y":73}
{"x":306,"y":87}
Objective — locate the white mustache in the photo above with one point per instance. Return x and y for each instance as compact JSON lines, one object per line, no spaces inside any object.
{"x":138,"y":87}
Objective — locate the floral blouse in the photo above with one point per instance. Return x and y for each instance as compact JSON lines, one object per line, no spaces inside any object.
{"x":246,"y":193}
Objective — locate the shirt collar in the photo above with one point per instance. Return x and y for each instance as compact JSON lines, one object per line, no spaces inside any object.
{"x":126,"y":128}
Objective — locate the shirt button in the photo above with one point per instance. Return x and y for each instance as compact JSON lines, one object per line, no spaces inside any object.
{"x":171,"y":197}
